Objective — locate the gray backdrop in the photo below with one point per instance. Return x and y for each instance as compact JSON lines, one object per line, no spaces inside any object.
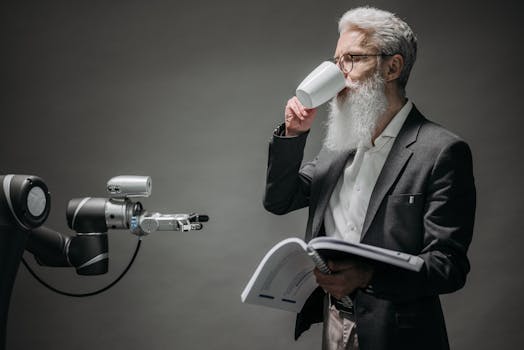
{"x":188,"y":92}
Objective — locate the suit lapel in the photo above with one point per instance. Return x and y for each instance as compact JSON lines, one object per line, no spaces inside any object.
{"x":395,"y":162}
{"x":328,"y":172}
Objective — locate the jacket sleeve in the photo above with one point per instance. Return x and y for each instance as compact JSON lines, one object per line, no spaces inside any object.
{"x":288,"y":181}
{"x":448,"y":228}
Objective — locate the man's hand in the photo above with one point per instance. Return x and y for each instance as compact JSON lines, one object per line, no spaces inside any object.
{"x":347,"y":276}
{"x":298,"y":118}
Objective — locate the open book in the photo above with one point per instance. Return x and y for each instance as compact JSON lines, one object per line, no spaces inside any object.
{"x":284,"y":278}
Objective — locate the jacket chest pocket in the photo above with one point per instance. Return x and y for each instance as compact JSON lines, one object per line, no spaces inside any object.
{"x":403,"y":222}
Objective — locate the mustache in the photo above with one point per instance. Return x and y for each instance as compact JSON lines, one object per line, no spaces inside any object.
{"x":350,"y":86}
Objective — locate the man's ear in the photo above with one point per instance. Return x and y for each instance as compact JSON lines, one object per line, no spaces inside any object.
{"x":394,"y":65}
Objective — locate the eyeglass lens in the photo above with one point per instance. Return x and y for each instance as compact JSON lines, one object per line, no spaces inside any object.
{"x":346,"y":63}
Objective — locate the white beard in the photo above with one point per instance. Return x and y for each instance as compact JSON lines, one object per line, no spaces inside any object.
{"x":353,"y":117}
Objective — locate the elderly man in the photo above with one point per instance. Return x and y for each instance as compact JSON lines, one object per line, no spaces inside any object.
{"x":385,"y":176}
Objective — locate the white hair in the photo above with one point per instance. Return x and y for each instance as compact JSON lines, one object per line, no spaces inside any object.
{"x":387,"y":32}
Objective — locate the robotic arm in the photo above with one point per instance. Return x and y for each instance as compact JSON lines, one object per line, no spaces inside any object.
{"x":91,"y":218}
{"x":25,"y":205}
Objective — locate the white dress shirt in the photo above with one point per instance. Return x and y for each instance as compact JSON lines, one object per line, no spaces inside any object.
{"x":349,"y":201}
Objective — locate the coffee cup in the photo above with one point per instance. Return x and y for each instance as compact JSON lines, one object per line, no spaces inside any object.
{"x":321,"y":85}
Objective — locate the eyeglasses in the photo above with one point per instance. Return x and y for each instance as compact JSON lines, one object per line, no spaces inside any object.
{"x":347,"y":60}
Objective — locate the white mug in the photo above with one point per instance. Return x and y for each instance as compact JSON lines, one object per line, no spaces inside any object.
{"x":322,"y":84}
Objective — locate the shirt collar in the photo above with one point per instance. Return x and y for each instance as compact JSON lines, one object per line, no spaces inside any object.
{"x":394,"y":126}
{"x":392,"y":129}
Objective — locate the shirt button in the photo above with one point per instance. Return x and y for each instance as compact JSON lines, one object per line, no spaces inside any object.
{"x":358,"y":189}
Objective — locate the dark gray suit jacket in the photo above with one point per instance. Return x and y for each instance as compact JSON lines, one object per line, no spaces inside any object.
{"x":434,"y":168}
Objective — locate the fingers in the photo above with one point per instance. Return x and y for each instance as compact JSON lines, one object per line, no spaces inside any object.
{"x":343,"y":281}
{"x":298,"y":108}
{"x":298,"y":119}
{"x":334,"y":284}
{"x":295,"y":109}
{"x":341,"y":265}
{"x":327,"y":280}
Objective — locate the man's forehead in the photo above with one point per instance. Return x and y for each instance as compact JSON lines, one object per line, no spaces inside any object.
{"x":352,"y":40}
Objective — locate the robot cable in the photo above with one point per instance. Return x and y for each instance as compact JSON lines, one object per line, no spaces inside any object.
{"x":82,"y":295}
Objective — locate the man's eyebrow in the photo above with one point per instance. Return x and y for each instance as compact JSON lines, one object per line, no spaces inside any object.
{"x":352,"y":53}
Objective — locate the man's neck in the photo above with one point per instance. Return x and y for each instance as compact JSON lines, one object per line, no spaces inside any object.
{"x":395,"y":104}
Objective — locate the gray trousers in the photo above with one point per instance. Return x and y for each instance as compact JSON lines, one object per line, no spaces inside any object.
{"x":338,"y":333}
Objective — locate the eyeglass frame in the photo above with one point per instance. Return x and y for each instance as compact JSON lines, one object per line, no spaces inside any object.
{"x":337,"y":60}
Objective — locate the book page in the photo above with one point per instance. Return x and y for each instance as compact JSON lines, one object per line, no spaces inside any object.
{"x":284,"y":278}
